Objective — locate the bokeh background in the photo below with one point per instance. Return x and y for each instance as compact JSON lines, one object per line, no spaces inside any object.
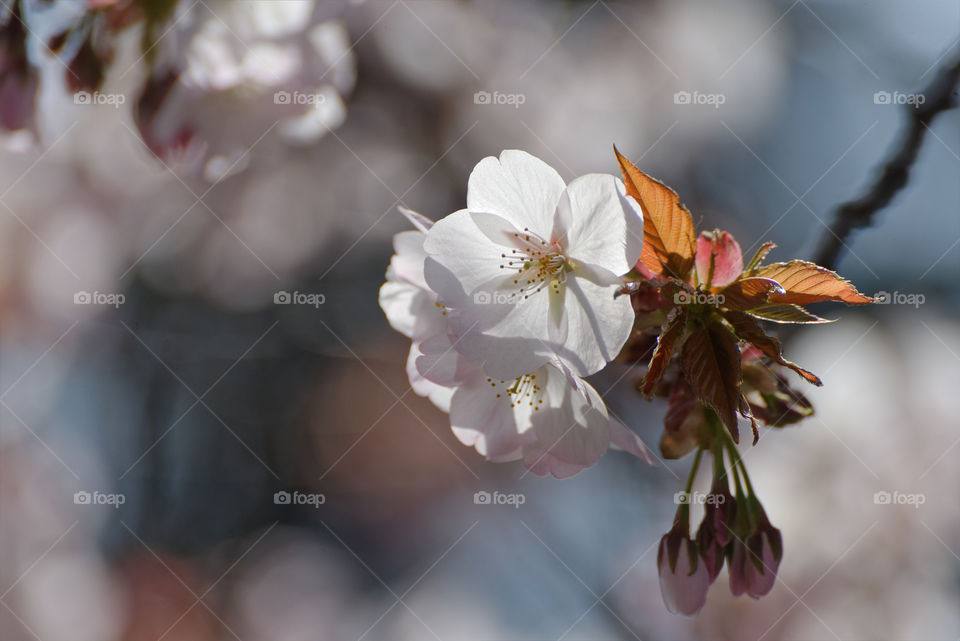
{"x":198,"y":397}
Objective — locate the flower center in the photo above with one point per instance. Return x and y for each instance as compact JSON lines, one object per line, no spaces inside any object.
{"x":523,"y":389}
{"x":538,"y":264}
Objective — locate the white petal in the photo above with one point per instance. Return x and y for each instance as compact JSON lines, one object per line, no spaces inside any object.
{"x":438,"y":361}
{"x":407,"y":261}
{"x":469,"y":246}
{"x":518,"y":187}
{"x":598,"y":323}
{"x":439,"y":395}
{"x":571,"y":428}
{"x":482,"y":419}
{"x":398,"y":300}
{"x":599,"y":208}
{"x":510,"y":337}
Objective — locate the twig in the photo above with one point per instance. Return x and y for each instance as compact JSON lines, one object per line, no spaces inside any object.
{"x":939,"y":96}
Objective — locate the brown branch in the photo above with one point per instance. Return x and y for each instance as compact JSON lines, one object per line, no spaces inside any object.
{"x":939,"y":96}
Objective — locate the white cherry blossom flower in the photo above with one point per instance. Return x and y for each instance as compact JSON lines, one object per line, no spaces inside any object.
{"x":412,"y":309}
{"x":550,"y":418}
{"x":532,"y":264}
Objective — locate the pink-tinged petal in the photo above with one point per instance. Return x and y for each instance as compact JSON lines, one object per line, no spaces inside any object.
{"x":719,"y":259}
{"x":439,"y":395}
{"x":764,"y":545}
{"x":571,"y":427}
{"x":476,"y":409}
{"x":538,"y":459}
{"x":518,"y":187}
{"x":684,"y":588}
{"x":597,"y":208}
{"x":623,"y":438}
{"x":737,"y":569}
{"x":440,"y":362}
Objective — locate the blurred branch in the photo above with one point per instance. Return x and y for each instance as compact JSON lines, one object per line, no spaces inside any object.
{"x":939,"y":95}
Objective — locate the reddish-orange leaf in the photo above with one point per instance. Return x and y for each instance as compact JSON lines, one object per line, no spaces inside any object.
{"x":749,"y":292}
{"x":805,"y":282}
{"x":750,"y":330}
{"x":711,"y":364}
{"x":784,"y":313}
{"x":668,"y":242}
{"x":672,"y":330}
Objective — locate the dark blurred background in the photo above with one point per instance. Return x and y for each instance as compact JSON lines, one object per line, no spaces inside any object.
{"x":181,"y":390}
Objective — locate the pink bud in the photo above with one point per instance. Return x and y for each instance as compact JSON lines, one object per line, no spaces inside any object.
{"x":754,"y":562}
{"x":684,"y":578}
{"x":719,"y":259}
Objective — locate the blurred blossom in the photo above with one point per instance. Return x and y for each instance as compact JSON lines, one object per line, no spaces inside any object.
{"x":280,"y":64}
{"x":290,"y":588}
{"x":73,"y":597}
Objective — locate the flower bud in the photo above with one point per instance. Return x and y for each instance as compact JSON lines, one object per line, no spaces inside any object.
{"x":684,"y":578}
{"x":755,"y":559}
{"x":718,"y":258}
{"x":715,"y":531}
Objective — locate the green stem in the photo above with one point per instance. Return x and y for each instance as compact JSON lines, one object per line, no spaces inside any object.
{"x":693,"y":470}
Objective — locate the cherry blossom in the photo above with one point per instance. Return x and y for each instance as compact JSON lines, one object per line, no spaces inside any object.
{"x":550,"y":418}
{"x":532,"y":265}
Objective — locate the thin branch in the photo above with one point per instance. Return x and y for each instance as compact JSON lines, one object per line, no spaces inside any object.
{"x":939,"y":96}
